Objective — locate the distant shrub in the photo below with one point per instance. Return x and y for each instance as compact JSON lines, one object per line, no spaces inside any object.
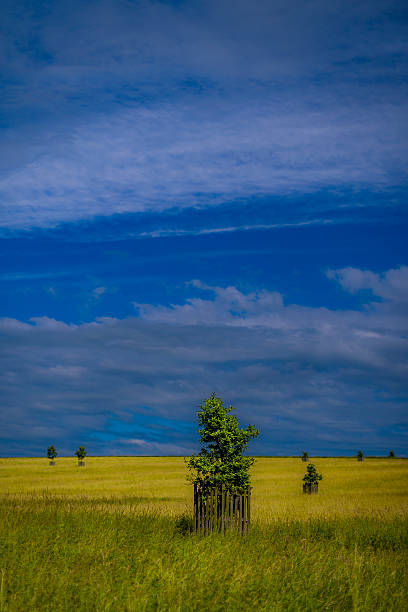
{"x":392,"y":454}
{"x":305,"y":456}
{"x":51,"y":453}
{"x":81,"y":453}
{"x":311,"y":477}
{"x":360,"y":454}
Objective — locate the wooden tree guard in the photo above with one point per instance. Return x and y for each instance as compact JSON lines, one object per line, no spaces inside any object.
{"x":310,"y":488}
{"x":219,"y":510}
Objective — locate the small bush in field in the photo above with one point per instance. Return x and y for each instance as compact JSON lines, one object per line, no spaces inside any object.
{"x":392,"y":454}
{"x":311,"y":477}
{"x":81,"y":453}
{"x":51,"y":453}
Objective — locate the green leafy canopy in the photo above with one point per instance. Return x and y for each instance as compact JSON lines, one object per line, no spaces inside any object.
{"x":51,"y":452}
{"x":220,"y":461}
{"x":311,"y":477}
{"x":80,"y":453}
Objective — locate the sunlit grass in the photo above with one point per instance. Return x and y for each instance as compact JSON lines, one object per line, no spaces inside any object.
{"x":104,"y":537}
{"x":348,"y":487}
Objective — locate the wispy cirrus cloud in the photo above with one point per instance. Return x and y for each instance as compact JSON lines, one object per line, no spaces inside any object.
{"x":116,"y":108}
{"x":144,"y":160}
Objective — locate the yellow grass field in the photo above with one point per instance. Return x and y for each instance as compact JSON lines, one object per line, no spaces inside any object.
{"x":107,"y":538}
{"x":348,"y":488}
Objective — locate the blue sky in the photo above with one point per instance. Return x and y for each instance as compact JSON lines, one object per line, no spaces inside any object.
{"x":199,"y":197}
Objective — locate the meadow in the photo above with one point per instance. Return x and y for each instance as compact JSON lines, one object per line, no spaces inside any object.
{"x":108,"y":537}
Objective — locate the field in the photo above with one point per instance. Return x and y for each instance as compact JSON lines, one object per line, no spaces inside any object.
{"x":108,"y":537}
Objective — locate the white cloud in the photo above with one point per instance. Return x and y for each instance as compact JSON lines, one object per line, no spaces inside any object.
{"x":392,"y":285}
{"x":266,"y":309}
{"x":300,"y":373}
{"x":98,"y":291}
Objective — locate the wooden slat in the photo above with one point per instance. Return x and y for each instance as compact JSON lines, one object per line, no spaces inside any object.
{"x":222,"y":509}
{"x":215,"y":521}
{"x":200,"y":511}
{"x":203,"y":513}
{"x":206,"y":514}
{"x":244,"y":521}
{"x":216,"y":513}
{"x":194,"y":505}
{"x":226,"y":511}
{"x":246,"y":511}
{"x":249,"y":508}
{"x":211,"y":511}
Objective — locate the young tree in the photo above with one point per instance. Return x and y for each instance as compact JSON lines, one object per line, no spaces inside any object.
{"x":51,"y":453}
{"x":220,"y":461}
{"x":81,"y":453}
{"x":360,"y":455}
{"x":311,"y":477}
{"x":392,"y":454}
{"x":305,"y":456}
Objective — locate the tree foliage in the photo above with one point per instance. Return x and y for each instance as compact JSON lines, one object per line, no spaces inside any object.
{"x":312,"y":477}
{"x":81,"y":453}
{"x":392,"y":454}
{"x":220,"y":461}
{"x":305,"y":455}
{"x":360,"y":454}
{"x":51,"y":452}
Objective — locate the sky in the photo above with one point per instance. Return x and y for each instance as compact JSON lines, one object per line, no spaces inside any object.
{"x":196,"y":197}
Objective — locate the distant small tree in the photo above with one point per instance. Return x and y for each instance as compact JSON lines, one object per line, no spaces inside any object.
{"x":392,"y":454}
{"x":305,"y":456}
{"x":220,"y":461}
{"x":311,"y":477}
{"x":360,"y":455}
{"x":51,"y":453}
{"x":81,"y":453}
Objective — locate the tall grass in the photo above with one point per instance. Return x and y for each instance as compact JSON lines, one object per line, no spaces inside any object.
{"x":105,"y":537}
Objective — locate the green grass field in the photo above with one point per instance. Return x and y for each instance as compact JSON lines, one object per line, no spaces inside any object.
{"x":105,"y":537}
